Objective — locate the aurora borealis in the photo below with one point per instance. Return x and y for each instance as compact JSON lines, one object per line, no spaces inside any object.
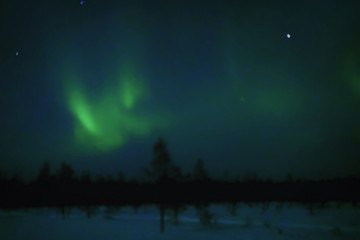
{"x":107,"y":122}
{"x":94,"y":83}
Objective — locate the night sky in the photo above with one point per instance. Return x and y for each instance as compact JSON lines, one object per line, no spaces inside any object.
{"x":251,"y":87}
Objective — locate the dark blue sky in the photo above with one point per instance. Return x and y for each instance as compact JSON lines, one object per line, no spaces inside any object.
{"x":96,"y":84}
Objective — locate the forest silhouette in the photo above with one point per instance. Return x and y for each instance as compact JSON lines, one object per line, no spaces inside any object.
{"x":165,"y":183}
{"x":167,"y":187}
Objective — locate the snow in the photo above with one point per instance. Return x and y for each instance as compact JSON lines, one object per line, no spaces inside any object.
{"x":250,"y":222}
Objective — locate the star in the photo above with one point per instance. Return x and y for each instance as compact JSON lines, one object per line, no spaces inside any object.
{"x":288,"y":35}
{"x":17,"y":53}
{"x":81,"y":2}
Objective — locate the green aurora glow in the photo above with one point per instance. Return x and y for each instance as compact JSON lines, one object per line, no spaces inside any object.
{"x":218,"y":81}
{"x":110,"y":120}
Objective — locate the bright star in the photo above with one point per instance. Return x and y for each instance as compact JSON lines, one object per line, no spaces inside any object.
{"x":288,"y":35}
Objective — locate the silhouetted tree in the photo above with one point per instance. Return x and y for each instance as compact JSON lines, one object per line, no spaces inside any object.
{"x":161,"y":171}
{"x":200,"y":173}
{"x":66,"y":173}
{"x":161,"y":162}
{"x":44,"y":173}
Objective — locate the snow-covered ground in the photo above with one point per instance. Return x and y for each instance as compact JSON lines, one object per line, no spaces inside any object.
{"x":217,"y":222}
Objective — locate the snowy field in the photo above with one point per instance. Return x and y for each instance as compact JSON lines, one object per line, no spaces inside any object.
{"x":243,"y":222}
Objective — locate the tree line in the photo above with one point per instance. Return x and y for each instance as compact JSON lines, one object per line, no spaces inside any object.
{"x":165,"y":183}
